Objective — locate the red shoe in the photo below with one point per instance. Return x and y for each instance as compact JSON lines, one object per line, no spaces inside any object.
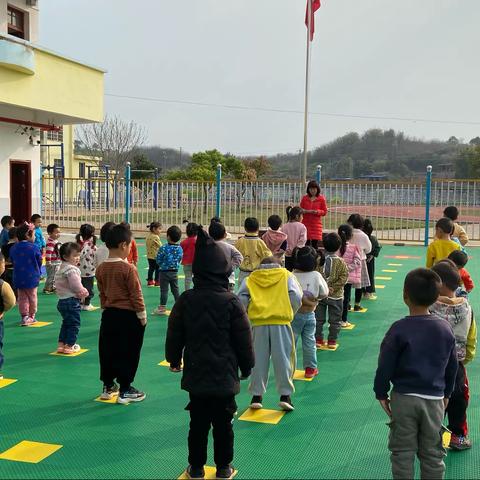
{"x":311,"y":372}
{"x":157,"y":284}
{"x":150,"y":283}
{"x":320,"y":343}
{"x":332,"y":344}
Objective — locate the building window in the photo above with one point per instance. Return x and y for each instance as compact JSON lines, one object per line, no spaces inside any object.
{"x":55,"y":136}
{"x":16,"y":22}
{"x":57,"y":168}
{"x":81,"y":170}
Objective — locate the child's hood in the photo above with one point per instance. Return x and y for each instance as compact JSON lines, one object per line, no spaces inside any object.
{"x":455,"y":301}
{"x":276,"y":236}
{"x":267,"y":277}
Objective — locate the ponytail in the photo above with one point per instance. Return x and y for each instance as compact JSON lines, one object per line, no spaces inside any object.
{"x":293,"y":213}
{"x":345,"y":232}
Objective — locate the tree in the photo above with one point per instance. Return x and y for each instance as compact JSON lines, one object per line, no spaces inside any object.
{"x":141,"y":162}
{"x":475,"y":141}
{"x":256,"y":168}
{"x":114,"y":142}
{"x":468,"y":162}
{"x":204,"y":167}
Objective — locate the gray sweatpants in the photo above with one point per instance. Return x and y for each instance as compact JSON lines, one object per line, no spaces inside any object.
{"x":335,"y":309}
{"x":415,"y":430}
{"x":277,"y":342}
{"x":187,"y":271}
{"x":242,"y":275}
{"x":51,"y":271}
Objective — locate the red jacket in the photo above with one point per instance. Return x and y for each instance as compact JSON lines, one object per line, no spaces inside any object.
{"x":313,"y":221}
{"x":188,"y":247}
{"x":466,"y":279}
{"x":133,"y":255}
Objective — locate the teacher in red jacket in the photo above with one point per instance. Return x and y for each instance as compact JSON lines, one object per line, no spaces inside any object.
{"x":314,"y":208}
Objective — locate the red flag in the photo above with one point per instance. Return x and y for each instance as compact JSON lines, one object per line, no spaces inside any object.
{"x":315,"y":5}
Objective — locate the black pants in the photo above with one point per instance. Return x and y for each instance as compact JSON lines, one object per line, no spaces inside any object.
{"x":119,"y":346}
{"x":347,"y":294}
{"x":216,"y":412}
{"x":457,"y":406}
{"x":371,"y":276}
{"x":316,"y":244}
{"x":153,"y":270}
{"x":87,"y":282}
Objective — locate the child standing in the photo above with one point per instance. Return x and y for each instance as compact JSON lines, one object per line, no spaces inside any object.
{"x":27,"y":265}
{"x":417,"y":356}
{"x":217,"y":231}
{"x":274,"y":238}
{"x":7,"y":223}
{"x":458,"y":231}
{"x":374,"y":253}
{"x":361,"y":240}
{"x":12,"y":240}
{"x":314,"y":289}
{"x":101,"y":254}
{"x":460,"y":259}
{"x":188,"y":247}
{"x":210,"y":375}
{"x":87,"y":241}
{"x":133,"y":253}
{"x":458,"y":313}
{"x":442,"y":245}
{"x":7,"y":302}
{"x":123,"y":319}
{"x":39,"y":240}
{"x":335,"y":272}
{"x":70,"y":291}
{"x":296,"y":233}
{"x":153,"y":243}
{"x":252,"y":248}
{"x":52,"y":257}
{"x":351,"y":255}
{"x":168,"y":259}
{"x":272,"y":295}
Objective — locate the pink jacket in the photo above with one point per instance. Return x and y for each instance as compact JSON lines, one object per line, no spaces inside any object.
{"x":352,"y":258}
{"x":296,"y":236}
{"x":274,"y":239}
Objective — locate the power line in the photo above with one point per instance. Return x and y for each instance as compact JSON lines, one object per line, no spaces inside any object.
{"x":297,"y":112}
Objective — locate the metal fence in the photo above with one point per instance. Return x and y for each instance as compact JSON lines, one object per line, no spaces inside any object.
{"x":397,"y":209}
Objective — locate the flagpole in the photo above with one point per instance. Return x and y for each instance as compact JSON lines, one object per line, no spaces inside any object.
{"x":307,"y":88}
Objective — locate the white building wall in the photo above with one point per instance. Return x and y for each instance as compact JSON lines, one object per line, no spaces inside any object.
{"x":31,"y":19}
{"x":14,"y":146}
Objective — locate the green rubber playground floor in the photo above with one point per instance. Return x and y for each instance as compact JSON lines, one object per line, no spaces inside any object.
{"x":336,"y":431}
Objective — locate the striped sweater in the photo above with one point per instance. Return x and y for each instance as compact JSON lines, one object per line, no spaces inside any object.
{"x":51,"y":253}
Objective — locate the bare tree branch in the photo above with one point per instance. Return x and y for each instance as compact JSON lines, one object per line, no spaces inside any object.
{"x":114,"y":142}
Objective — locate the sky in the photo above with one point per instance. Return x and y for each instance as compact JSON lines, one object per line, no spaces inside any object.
{"x":413,"y":59}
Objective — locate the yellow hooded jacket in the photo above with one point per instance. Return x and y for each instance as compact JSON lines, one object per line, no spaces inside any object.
{"x":269,"y":296}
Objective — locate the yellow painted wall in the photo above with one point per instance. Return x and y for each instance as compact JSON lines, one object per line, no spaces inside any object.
{"x":59,"y":85}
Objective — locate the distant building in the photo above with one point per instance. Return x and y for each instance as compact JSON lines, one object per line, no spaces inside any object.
{"x":375,"y":177}
{"x":445,"y":170}
{"x":40,"y":91}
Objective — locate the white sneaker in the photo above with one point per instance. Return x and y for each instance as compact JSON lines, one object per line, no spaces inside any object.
{"x":88,"y":308}
{"x":159,"y":311}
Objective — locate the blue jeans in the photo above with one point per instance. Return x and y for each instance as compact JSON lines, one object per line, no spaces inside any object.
{"x":69,"y":309}
{"x":1,"y":345}
{"x":304,"y":325}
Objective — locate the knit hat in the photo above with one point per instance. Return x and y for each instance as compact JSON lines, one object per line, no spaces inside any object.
{"x":210,"y":265}
{"x":306,"y":259}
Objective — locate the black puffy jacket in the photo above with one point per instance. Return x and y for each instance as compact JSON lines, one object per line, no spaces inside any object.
{"x":210,"y":327}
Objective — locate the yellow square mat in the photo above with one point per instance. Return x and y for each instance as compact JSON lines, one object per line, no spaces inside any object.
{"x":210,"y":474}
{"x":380,"y":286}
{"x":5,"y":382}
{"x":383,"y":278}
{"x":76,"y":354}
{"x":39,"y":324}
{"x":390,"y":271}
{"x":30,"y":452}
{"x":326,"y":349}
{"x":300,"y":375}
{"x":350,"y":327}
{"x":263,"y":415}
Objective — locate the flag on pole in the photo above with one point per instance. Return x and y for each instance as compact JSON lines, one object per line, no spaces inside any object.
{"x":315,"y":5}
